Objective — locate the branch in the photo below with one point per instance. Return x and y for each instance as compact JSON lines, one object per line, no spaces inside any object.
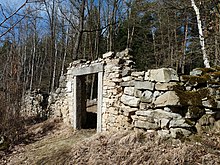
{"x":3,"y":13}
{"x":100,"y":29}
{"x":9,"y":29}
{"x":7,"y":18}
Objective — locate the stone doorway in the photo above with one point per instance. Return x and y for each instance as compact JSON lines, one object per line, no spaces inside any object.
{"x":82,"y":118}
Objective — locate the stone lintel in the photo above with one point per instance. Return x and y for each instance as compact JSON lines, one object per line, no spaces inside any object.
{"x":93,"y":68}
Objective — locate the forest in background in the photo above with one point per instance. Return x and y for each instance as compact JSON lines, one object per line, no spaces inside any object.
{"x":39,"y":38}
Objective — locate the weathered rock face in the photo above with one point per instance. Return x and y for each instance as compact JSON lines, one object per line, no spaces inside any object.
{"x":157,"y":99}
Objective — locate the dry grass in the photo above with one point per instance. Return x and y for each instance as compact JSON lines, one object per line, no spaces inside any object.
{"x":61,"y":145}
{"x":46,"y":143}
{"x":143,"y":148}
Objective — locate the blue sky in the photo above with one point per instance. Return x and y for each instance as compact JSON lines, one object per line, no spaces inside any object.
{"x":12,"y":2}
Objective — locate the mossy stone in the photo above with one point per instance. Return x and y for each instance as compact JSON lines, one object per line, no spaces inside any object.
{"x":192,"y":98}
{"x":195,"y":112}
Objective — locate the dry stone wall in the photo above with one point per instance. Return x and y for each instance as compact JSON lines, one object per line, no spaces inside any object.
{"x":154,"y":100}
{"x":35,"y":104}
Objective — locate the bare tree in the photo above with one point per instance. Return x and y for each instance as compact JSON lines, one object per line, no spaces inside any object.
{"x":201,"y":37}
{"x":80,"y":30}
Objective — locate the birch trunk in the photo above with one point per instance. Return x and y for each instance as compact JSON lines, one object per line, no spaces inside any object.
{"x":201,"y":37}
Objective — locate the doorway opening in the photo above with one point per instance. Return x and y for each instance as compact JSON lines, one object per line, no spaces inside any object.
{"x":87,"y":95}
{"x":91,"y":101}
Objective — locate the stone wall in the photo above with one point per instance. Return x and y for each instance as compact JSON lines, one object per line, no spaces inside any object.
{"x":154,"y":100}
{"x":35,"y":104}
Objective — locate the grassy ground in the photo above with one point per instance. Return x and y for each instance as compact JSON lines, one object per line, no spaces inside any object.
{"x":53,"y":143}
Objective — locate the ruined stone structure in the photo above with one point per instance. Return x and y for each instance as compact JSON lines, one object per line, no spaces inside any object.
{"x":154,"y":100}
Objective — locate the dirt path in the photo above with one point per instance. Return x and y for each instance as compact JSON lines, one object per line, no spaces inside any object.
{"x":50,"y":148}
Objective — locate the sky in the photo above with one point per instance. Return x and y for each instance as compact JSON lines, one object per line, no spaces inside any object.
{"x":12,"y":2}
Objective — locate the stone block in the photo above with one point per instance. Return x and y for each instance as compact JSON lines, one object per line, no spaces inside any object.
{"x":163,"y":75}
{"x":164,"y":134}
{"x":144,"y":106}
{"x":108,"y":83}
{"x":114,"y":75}
{"x":127,"y":110}
{"x":179,"y":123}
{"x":129,"y":91}
{"x":144,"y":85}
{"x":196,"y":72}
{"x":156,"y":94}
{"x":69,"y":86}
{"x":147,"y":96}
{"x":117,"y":80}
{"x":130,"y":100}
{"x":113,"y":110}
{"x":146,"y":125}
{"x":139,"y":78}
{"x":128,"y":84}
{"x":126,"y":71}
{"x":137,"y":93}
{"x":164,"y":123}
{"x":137,"y":74}
{"x":147,"y":76}
{"x":127,"y":78}
{"x":165,"y":86}
{"x":108,"y":55}
{"x":159,"y":114}
{"x":169,"y":98}
{"x":179,"y":132}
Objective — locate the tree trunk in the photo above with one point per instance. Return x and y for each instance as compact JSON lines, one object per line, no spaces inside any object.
{"x":184,"y":45}
{"x":201,"y":37}
{"x":80,"y":31}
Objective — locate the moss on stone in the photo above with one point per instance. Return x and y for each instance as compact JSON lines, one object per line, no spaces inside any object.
{"x":188,"y":121}
{"x":215,"y":74}
{"x":197,"y":80}
{"x":192,"y":80}
{"x":212,"y":101}
{"x":207,"y":70}
{"x":196,"y":112}
{"x":217,"y":68}
{"x":193,"y":98}
{"x":185,"y":78}
{"x":214,"y":83}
